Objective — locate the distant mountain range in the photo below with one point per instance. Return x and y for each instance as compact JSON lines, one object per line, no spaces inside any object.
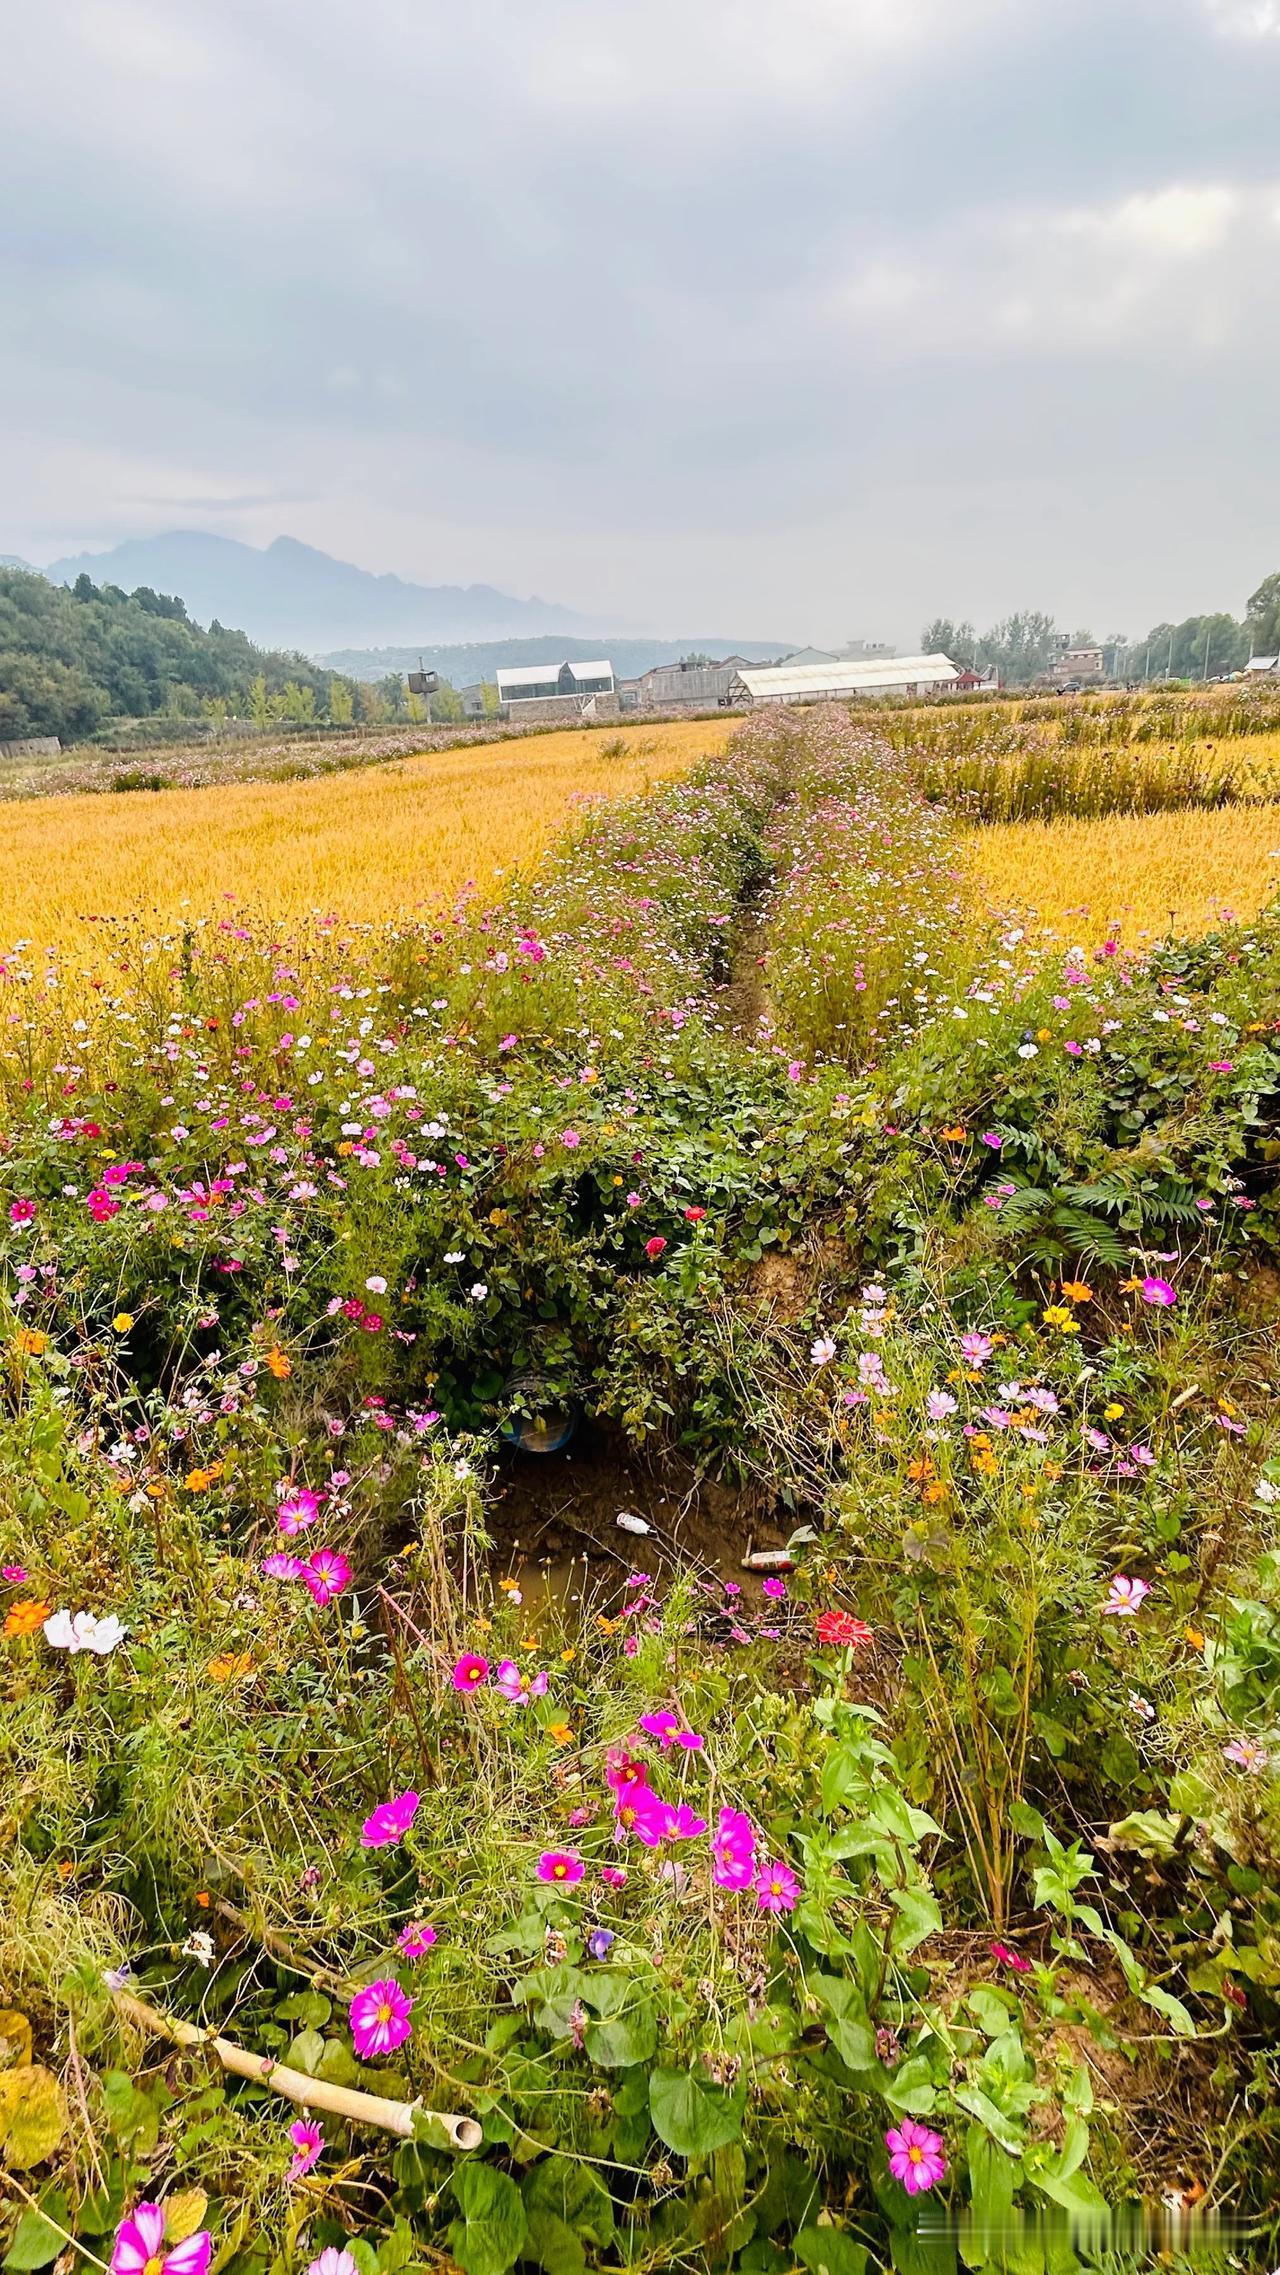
{"x":291,"y":596}
{"x":464,"y":665}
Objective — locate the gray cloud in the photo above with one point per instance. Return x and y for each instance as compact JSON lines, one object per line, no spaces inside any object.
{"x":813,"y":318}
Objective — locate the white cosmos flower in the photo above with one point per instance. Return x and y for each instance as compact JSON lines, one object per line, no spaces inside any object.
{"x":822,"y":1350}
{"x":84,"y":1631}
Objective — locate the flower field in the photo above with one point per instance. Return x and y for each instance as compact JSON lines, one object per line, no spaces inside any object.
{"x":824,"y":1815}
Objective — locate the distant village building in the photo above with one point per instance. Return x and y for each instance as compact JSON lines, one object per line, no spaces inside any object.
{"x":550,"y":692}
{"x":1263,"y":664}
{"x":702,"y":687}
{"x":794,"y":682}
{"x":1076,"y":665}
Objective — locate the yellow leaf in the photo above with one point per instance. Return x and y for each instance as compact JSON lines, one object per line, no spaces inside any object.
{"x":33,"y":2115}
{"x":15,"y":2039}
{"x":184,"y":2213}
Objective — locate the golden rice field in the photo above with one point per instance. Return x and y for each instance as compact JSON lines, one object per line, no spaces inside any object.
{"x":1152,"y":874}
{"x":387,"y":841}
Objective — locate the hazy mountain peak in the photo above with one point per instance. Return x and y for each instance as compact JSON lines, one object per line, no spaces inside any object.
{"x":291,"y":595}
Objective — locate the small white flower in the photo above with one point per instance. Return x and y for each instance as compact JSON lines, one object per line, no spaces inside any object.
{"x":199,"y":1946}
{"x":1028,"y":1051}
{"x":376,"y":1284}
{"x":83,"y":1631}
{"x":822,"y":1350}
{"x":478,"y":1291}
{"x":455,"y":1256}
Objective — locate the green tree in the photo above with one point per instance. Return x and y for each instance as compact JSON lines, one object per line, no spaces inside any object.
{"x":341,"y":702}
{"x":1262,"y":617}
{"x":259,"y":708}
{"x":943,"y":637}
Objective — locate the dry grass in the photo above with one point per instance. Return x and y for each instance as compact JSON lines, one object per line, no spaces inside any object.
{"x":392,"y":841}
{"x":1135,"y":874}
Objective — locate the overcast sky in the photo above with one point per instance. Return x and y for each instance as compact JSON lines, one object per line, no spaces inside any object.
{"x":798,"y":317}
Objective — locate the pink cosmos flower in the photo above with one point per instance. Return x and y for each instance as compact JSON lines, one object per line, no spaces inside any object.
{"x":683,"y":1824}
{"x":282,"y":1567}
{"x":390,"y":1821}
{"x":1159,"y":1292}
{"x":560,"y":1867}
{"x":13,"y":1575}
{"x":1125,"y":1597}
{"x":22,"y":1212}
{"x":415,"y":1940}
{"x":776,"y":1888}
{"x":140,"y":2247}
{"x":379,"y":2017}
{"x":976,"y":1348}
{"x":775,"y":1588}
{"x":308,"y":2141}
{"x":1007,"y":1958}
{"x":470,"y":1671}
{"x":665,"y":1727}
{"x":518,"y":1688}
{"x":915,"y":2156}
{"x":622,"y":1769}
{"x":326,"y":1573}
{"x":331,"y":2261}
{"x":1246,"y":1753}
{"x":733,"y":1850}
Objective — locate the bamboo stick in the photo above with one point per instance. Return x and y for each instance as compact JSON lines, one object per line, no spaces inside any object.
{"x":311,"y":2093}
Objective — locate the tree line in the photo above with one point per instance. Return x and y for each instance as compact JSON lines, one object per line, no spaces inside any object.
{"x":73,"y":658}
{"x":1022,"y":647}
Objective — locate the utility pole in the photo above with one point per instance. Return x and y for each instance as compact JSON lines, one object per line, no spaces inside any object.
{"x":1207,"y":630}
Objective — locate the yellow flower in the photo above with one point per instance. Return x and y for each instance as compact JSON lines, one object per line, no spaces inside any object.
{"x":1044,"y":1034}
{"x":1113,"y":1412}
{"x":568,"y":1655}
{"x":1194,"y":1638}
{"x":1055,"y":1315}
{"x":26,"y":1618}
{"x":122,"y":1322}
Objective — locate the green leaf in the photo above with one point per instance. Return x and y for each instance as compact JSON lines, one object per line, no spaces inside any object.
{"x":493,"y":2230}
{"x":690,"y":2116}
{"x":35,"y":2242}
{"x":918,"y":1918}
{"x":305,"y":2053}
{"x":1164,"y":2002}
{"x":627,"y":2039}
{"x":554,"y":2245}
{"x":829,"y":2251}
{"x":571,"y":2193}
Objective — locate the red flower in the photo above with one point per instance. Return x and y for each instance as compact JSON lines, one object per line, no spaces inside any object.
{"x":655,"y":1246}
{"x":694,"y":1216}
{"x":841,"y":1627}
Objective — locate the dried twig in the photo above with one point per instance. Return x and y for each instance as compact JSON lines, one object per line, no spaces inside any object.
{"x":311,"y":2093}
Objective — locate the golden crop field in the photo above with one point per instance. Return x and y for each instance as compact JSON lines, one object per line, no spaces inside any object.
{"x":388,"y":841}
{"x":1138,"y":874}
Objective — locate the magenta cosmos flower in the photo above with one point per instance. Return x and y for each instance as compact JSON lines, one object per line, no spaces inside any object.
{"x":1007,"y":1958}
{"x":560,"y":1867}
{"x":471,"y":1671}
{"x":308,"y":2141}
{"x":1125,"y":1597}
{"x":733,"y":1851}
{"x":1159,"y":1292}
{"x":326,"y":1573}
{"x":518,"y":1688}
{"x":379,"y":2017}
{"x":416,"y":1940}
{"x":140,"y":2247}
{"x":298,"y":1509}
{"x":776,"y":1888}
{"x":915,"y":2156}
{"x":390,"y":1821}
{"x":666,"y":1729}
